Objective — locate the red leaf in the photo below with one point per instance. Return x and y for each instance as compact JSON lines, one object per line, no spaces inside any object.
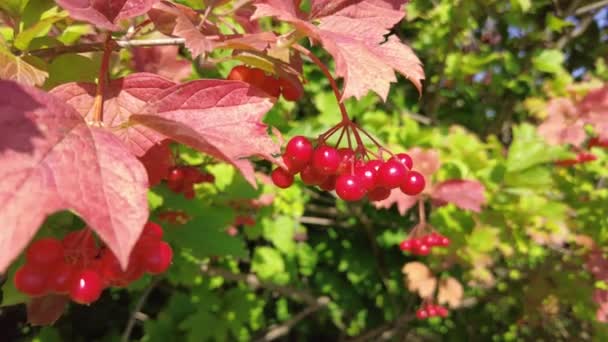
{"x":397,"y":197}
{"x":215,"y":117}
{"x":161,"y":60}
{"x":563,"y":124}
{"x":106,"y":14}
{"x":46,"y":310}
{"x":123,"y":97}
{"x":465,"y":194}
{"x":157,"y":161}
{"x":353,"y":32}
{"x":51,"y":160}
{"x":595,"y":110}
{"x":164,"y":15}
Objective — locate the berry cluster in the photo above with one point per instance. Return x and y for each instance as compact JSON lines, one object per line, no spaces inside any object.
{"x":345,"y":171}
{"x":431,"y":310}
{"x":181,"y":179}
{"x":581,"y":158}
{"x":270,"y":84}
{"x":424,"y":244}
{"x":76,"y":266}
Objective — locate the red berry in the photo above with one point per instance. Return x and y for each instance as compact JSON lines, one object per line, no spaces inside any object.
{"x":153,"y":230}
{"x":156,"y":257}
{"x":326,"y":160}
{"x":60,"y":275}
{"x":272,"y":86}
{"x":406,"y":245}
{"x":423,"y":250}
{"x":290,"y":91}
{"x":367,"y":173}
{"x":391,"y":174}
{"x":175,"y":180}
{"x":443,"y":241}
{"x":416,"y":243}
{"x":31,"y":280}
{"x":311,"y":177}
{"x":375,"y":164}
{"x":256,"y":77}
{"x":293,"y":167}
{"x":405,"y":159}
{"x":189,"y":192}
{"x":422,"y":314}
{"x":79,"y":244}
{"x":442,"y":311}
{"x":281,"y":178}
{"x":113,"y":274}
{"x":413,"y":184}
{"x":329,"y":184}
{"x":86,"y":286}
{"x":378,"y":194}
{"x":349,"y":187}
{"x":347,"y":159}
{"x":430,"y":240}
{"x":585,"y":157}
{"x":432,"y":310}
{"x":239,"y":73}
{"x":299,"y":151}
{"x":45,"y":252}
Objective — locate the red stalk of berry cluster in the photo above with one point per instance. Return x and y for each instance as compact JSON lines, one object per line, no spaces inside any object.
{"x":423,"y":237}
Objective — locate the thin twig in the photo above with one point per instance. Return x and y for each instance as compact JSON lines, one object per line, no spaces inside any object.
{"x":591,"y":7}
{"x":579,"y":30}
{"x":136,"y":311}
{"x":283,"y":329}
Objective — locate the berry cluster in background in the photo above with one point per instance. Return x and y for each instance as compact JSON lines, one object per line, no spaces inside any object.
{"x":352,"y":173}
{"x":181,"y":179}
{"x":291,"y":89}
{"x":423,"y":245}
{"x":431,"y":310}
{"x":78,"y":267}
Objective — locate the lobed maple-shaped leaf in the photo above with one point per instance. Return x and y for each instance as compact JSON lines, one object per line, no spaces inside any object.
{"x":106,"y":13}
{"x":354,"y":33}
{"x":218,"y":117}
{"x":450,"y":292}
{"x":465,"y":194}
{"x":123,"y":97}
{"x":563,"y":124}
{"x":163,"y":61}
{"x":13,"y":68}
{"x":164,"y":15}
{"x":46,"y":310}
{"x":51,"y":160}
{"x":419,"y":278}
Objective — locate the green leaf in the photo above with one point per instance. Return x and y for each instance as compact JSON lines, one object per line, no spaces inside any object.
{"x":41,"y":28}
{"x":267,"y":263}
{"x":549,"y":61}
{"x":524,"y":5}
{"x":528,"y":149}
{"x":13,"y":7}
{"x":280,"y":232}
{"x":72,"y":68}
{"x":37,"y":10}
{"x":557,"y":24}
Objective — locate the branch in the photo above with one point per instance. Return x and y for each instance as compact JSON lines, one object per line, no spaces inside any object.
{"x":92,"y":47}
{"x":591,"y":7}
{"x":254,"y":282}
{"x":582,"y":27}
{"x":136,"y":314}
{"x":283,"y":329}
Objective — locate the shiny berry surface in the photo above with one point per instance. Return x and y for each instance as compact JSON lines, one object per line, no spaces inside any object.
{"x":413,"y":183}
{"x":281,"y":178}
{"x":31,"y":280}
{"x":404,"y":159}
{"x":368,"y":176}
{"x":156,"y":257}
{"x":391,"y":174}
{"x":350,"y":187}
{"x":326,"y":160}
{"x":378,"y":194}
{"x":86,"y":286}
{"x":310,"y":176}
{"x":299,"y":150}
{"x":45,"y":252}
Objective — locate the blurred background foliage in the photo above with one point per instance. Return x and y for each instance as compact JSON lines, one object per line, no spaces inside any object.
{"x":308,"y":267}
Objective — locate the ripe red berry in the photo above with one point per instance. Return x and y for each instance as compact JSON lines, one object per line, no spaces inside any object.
{"x":290,"y":91}
{"x":416,"y":243}
{"x":112,"y":273}
{"x":45,"y":252}
{"x":175,"y":180}
{"x":349,"y":187}
{"x":442,"y":311}
{"x":422,"y":314}
{"x":443,"y":241}
{"x":299,"y":151}
{"x":432,"y":310}
{"x":86,"y":286}
{"x":423,"y":250}
{"x":152,"y":230}
{"x":326,"y":160}
{"x":60,"y":276}
{"x":368,"y":176}
{"x":311,"y":177}
{"x":329,"y":184}
{"x":375,"y":164}
{"x":430,"y":240}
{"x":404,"y":159}
{"x":156,"y":256}
{"x":391,"y":174}
{"x":239,"y":73}
{"x":405,"y":245}
{"x":347,"y":159}
{"x":378,"y":194}
{"x":31,"y":280}
{"x":79,"y":244}
{"x":281,"y":178}
{"x":256,"y":77}
{"x":413,"y":184}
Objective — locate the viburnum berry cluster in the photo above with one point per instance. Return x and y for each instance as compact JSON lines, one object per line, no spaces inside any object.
{"x":423,"y":245}
{"x":352,"y":172}
{"x":78,"y":267}
{"x":273,"y":86}
{"x":181,"y":179}
{"x":430,"y":310}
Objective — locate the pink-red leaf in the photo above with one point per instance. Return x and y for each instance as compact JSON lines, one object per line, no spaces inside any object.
{"x":158,"y":161}
{"x":465,"y":194}
{"x":163,"y":61}
{"x":595,"y":110}
{"x":46,"y":310}
{"x":221,"y":118}
{"x":51,"y":160}
{"x":106,"y":13}
{"x":397,"y":197}
{"x":123,"y":97}
{"x":14,"y":68}
{"x":563,"y":124}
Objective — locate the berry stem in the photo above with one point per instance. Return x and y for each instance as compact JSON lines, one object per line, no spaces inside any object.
{"x":101,"y":81}
{"x":332,"y":81}
{"x":421,"y":212}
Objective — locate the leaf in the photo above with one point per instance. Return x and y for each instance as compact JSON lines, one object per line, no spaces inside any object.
{"x":527,"y":150}
{"x":403,"y":201}
{"x":164,"y":15}
{"x":41,"y":28}
{"x":14,"y":68}
{"x":157,"y":161}
{"x":465,"y":194}
{"x":46,"y":310}
{"x":213,"y":116}
{"x":123,"y":97}
{"x":450,"y":292}
{"x":353,"y":32}
{"x":53,"y":161}
{"x":267,"y":262}
{"x":106,"y":14}
{"x":563,"y":124}
{"x":13,"y":7}
{"x":419,"y":278}
{"x":196,"y":42}
{"x":163,"y":61}
{"x":549,"y":61}
{"x":594,"y":109}
{"x":72,"y":68}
